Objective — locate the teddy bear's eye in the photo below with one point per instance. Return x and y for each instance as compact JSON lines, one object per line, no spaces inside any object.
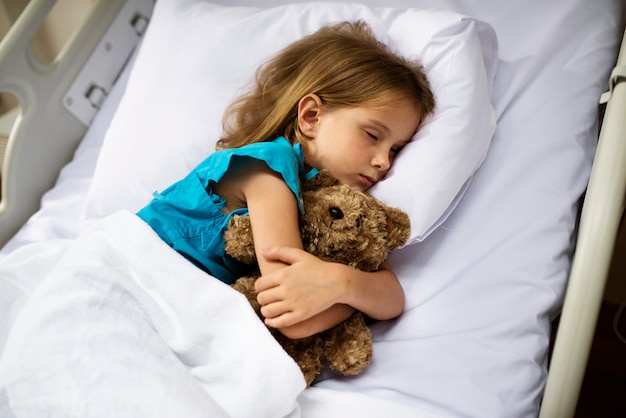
{"x":335,"y":212}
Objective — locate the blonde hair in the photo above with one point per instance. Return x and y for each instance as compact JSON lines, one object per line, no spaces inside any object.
{"x":343,"y":64}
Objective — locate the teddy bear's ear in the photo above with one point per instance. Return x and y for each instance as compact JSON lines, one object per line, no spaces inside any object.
{"x":322,"y":179}
{"x":398,"y":227}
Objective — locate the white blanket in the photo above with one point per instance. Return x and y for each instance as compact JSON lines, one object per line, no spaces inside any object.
{"x":123,"y":326}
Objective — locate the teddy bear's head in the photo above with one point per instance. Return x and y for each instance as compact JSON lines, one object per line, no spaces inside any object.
{"x":339,"y":224}
{"x":345,"y":225}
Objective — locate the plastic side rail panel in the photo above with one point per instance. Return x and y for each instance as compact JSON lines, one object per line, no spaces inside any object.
{"x":54,"y":111}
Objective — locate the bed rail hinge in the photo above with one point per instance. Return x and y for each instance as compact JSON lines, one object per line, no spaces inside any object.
{"x":91,"y":86}
{"x":139,"y":24}
{"x":96,"y":95}
{"x":617,"y":76}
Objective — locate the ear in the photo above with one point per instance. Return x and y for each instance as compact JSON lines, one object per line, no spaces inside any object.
{"x":398,"y":227}
{"x":309,"y":108}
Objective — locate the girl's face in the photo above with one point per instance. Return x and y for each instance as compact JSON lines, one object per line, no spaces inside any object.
{"x":357,"y":145}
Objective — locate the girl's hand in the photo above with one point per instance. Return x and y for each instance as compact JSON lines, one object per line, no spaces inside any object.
{"x":304,"y":288}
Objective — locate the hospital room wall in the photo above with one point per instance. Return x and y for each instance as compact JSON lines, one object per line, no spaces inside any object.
{"x":66,"y":15}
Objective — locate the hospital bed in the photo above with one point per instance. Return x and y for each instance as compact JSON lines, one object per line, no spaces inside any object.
{"x":515,"y":188}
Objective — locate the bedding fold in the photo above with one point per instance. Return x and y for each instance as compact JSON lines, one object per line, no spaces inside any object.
{"x":124,"y":326}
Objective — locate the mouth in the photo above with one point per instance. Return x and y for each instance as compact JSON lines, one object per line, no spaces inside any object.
{"x":367,"y":181}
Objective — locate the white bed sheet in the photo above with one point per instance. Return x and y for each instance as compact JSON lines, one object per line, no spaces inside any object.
{"x":482,"y":289}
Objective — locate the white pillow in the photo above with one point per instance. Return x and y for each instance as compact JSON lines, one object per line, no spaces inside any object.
{"x":197,"y":56}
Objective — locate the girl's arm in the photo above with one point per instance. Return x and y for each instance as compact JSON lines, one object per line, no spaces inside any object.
{"x":312,"y":295}
{"x":301,"y":294}
{"x":273,"y":212}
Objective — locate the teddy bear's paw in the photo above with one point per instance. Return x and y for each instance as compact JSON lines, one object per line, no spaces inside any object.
{"x":349,"y":346}
{"x":310,"y":372}
{"x":245,"y":285}
{"x":353,"y":357}
{"x":307,"y":353}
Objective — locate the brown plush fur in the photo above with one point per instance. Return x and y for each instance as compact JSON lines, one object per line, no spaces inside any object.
{"x":343,"y":225}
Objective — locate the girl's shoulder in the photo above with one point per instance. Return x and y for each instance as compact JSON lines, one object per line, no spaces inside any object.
{"x":278,"y":145}
{"x":277,"y":152}
{"x":279,"y":155}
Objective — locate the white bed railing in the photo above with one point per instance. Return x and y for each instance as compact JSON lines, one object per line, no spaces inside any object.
{"x":34,"y":150}
{"x":602,"y":212}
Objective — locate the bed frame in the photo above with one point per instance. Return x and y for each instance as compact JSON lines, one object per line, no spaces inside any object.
{"x":58,"y":102}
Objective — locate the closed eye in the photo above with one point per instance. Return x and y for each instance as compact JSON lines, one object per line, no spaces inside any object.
{"x":371,"y":135}
{"x":396,"y":150}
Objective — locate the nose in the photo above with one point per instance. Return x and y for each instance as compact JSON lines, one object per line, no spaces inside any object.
{"x":381,"y":160}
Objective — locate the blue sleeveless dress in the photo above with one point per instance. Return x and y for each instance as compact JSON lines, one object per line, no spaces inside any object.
{"x":188,"y":217}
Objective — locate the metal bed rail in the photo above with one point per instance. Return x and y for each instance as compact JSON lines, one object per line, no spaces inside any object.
{"x":602,"y":212}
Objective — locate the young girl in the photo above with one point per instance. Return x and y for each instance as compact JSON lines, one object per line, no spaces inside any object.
{"x":336,"y":100}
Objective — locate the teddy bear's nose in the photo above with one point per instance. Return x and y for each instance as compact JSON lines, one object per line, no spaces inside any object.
{"x":335,"y":213}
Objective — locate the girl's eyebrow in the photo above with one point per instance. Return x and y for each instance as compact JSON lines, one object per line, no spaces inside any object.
{"x":380,"y":124}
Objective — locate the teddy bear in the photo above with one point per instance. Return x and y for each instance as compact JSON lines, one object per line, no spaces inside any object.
{"x":339,"y":224}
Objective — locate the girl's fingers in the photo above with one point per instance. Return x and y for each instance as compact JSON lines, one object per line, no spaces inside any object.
{"x":267,"y":282}
{"x":269,"y":295}
{"x":274,"y":310}
{"x":287,"y":255}
{"x":286,"y":320}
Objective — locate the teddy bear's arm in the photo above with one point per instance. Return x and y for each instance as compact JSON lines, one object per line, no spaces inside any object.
{"x":238,"y":241}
